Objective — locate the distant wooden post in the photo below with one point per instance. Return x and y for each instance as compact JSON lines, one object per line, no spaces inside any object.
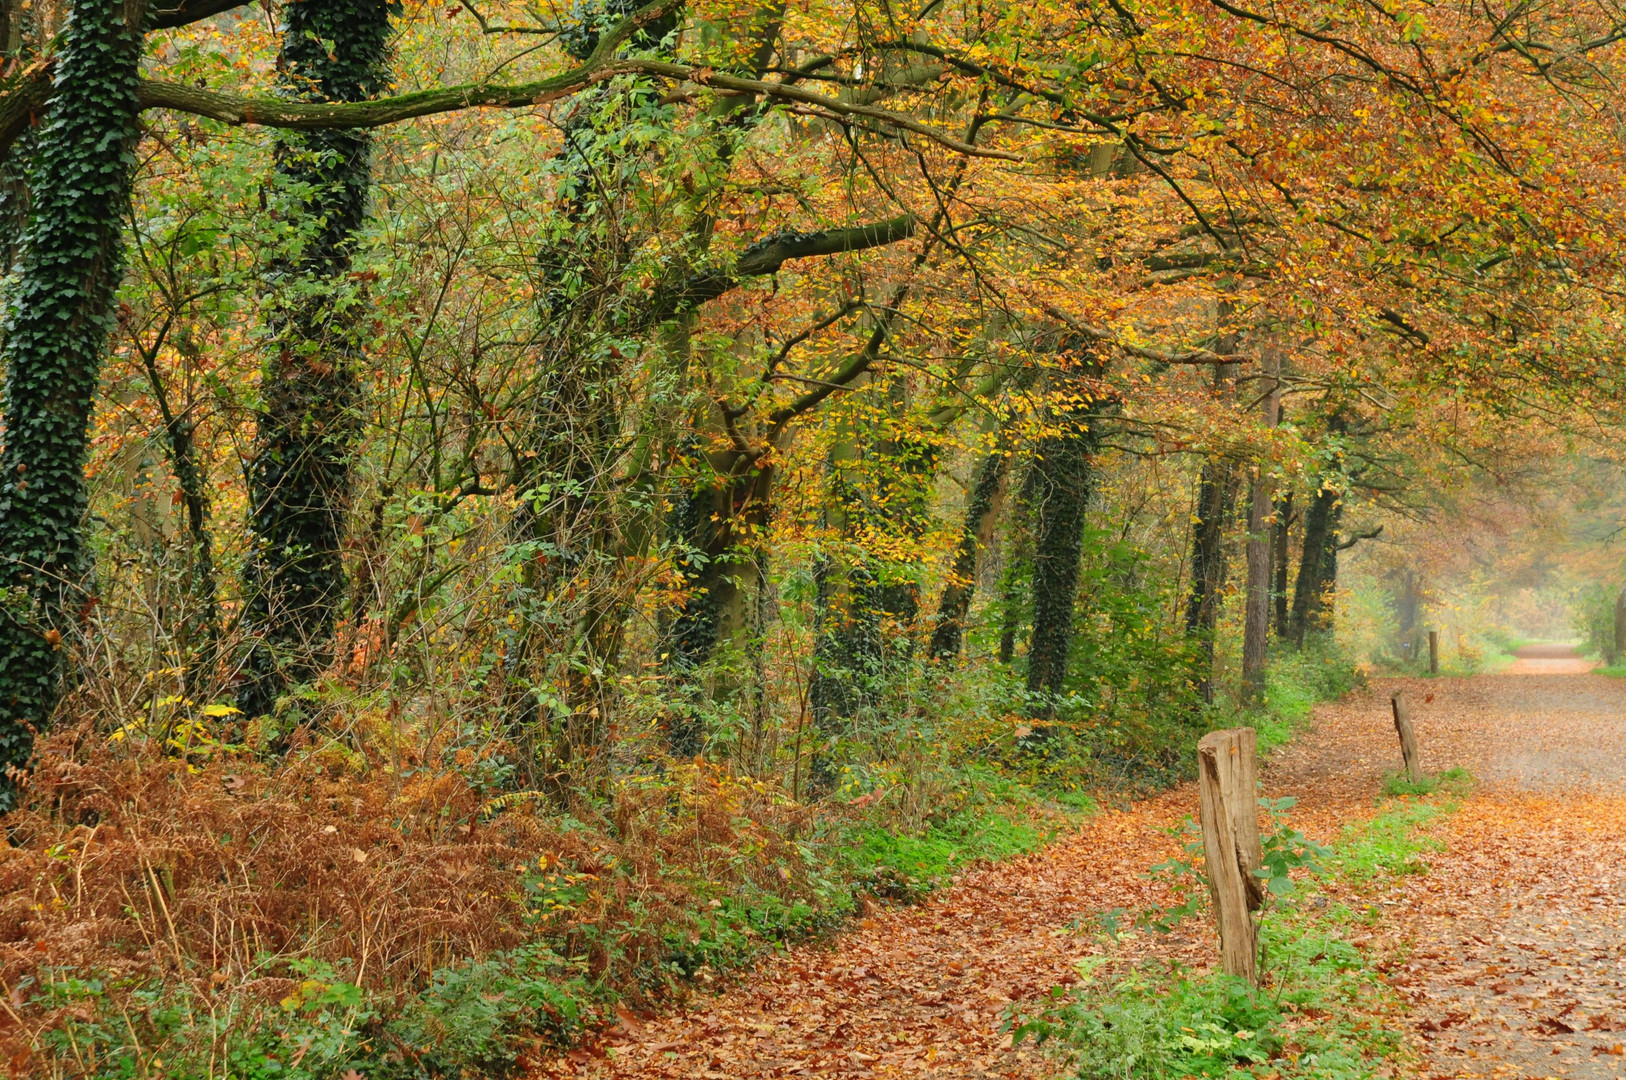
{"x":1226,"y":776}
{"x":1433,"y":652}
{"x":1408,"y":737}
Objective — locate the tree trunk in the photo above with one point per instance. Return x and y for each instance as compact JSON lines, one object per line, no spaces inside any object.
{"x":1208,"y":551}
{"x":1061,"y":496}
{"x":1620,"y":626}
{"x":981,"y":513}
{"x":1207,"y":566}
{"x":299,"y":480}
{"x":60,"y":314}
{"x":1013,"y":589}
{"x":847,"y":647}
{"x":1256,"y":614}
{"x":1310,"y":586}
{"x":1409,"y":615}
{"x":721,"y":563}
{"x":1281,"y":563}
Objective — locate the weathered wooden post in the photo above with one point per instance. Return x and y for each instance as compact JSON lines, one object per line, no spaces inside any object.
{"x":1226,"y":777}
{"x":1433,"y":652}
{"x":1408,"y":737}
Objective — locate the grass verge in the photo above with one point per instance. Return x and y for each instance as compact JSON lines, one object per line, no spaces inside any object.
{"x":1322,"y":1010}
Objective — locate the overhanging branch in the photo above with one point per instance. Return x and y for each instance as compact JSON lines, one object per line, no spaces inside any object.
{"x":768,"y":255}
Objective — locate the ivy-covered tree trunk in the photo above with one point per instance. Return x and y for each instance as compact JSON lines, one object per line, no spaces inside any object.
{"x":981,"y":512}
{"x":847,"y":626}
{"x":59,"y":314}
{"x":723,"y":570}
{"x":1065,"y":464}
{"x":299,"y":480}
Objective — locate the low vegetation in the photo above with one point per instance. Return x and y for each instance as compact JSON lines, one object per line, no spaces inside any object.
{"x":1322,"y":1010}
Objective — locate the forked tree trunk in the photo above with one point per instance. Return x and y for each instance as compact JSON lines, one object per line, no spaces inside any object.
{"x":1208,"y":550}
{"x":61,"y":313}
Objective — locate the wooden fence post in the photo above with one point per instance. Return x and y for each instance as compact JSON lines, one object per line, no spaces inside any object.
{"x":1408,"y":737}
{"x":1433,"y":652}
{"x":1226,"y":776}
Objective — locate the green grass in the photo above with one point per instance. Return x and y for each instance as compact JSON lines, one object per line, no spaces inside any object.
{"x":1295,"y":683}
{"x":1453,"y":781}
{"x":1322,"y":1011}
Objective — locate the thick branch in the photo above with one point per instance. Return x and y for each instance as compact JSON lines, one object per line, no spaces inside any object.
{"x":1197,"y":357}
{"x":21,"y":96}
{"x":168,"y":15}
{"x":767,"y":255}
{"x":274,"y":112}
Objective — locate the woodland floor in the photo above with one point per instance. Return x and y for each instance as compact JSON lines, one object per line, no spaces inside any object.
{"x":1511,"y":951}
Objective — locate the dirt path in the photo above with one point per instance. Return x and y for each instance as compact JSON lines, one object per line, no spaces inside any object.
{"x":1519,"y":965}
{"x":1550,"y":658}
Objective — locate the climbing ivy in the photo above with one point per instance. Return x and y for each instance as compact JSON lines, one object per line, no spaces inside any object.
{"x":57,"y":321}
{"x":299,"y":482}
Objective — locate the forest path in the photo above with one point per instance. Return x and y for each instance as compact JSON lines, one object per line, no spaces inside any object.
{"x":1520,"y":928}
{"x":1550,"y":658}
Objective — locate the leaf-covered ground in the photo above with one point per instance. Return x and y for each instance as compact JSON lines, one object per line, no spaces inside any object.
{"x":1511,"y":949}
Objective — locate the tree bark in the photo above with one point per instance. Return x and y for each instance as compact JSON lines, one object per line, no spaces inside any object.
{"x":1408,"y":737}
{"x":299,"y":479}
{"x":1281,"y":563}
{"x":1227,"y":775}
{"x":1208,"y":551}
{"x":61,"y":312}
{"x":981,"y":513}
{"x":1256,"y":614}
{"x":1065,"y":463}
{"x":1310,"y":585}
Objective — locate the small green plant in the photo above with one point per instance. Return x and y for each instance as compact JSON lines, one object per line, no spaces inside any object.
{"x":1453,"y":781}
{"x":1320,"y":1012}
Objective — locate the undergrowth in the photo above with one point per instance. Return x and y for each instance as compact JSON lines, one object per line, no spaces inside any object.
{"x":1296,"y":681}
{"x":195,"y":909}
{"x":1321,"y":1009}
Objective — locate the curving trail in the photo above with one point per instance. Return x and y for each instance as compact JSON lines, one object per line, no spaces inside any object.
{"x":1513,"y":947}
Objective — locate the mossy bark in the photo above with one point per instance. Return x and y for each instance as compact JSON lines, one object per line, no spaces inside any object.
{"x":300,"y":476}
{"x":60,"y":312}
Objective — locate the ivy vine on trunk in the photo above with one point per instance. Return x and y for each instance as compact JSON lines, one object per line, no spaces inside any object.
{"x":59,"y":314}
{"x":299,"y":481}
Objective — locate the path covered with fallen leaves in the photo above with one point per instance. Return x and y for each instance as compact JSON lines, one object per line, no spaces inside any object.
{"x":1512,"y":949}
